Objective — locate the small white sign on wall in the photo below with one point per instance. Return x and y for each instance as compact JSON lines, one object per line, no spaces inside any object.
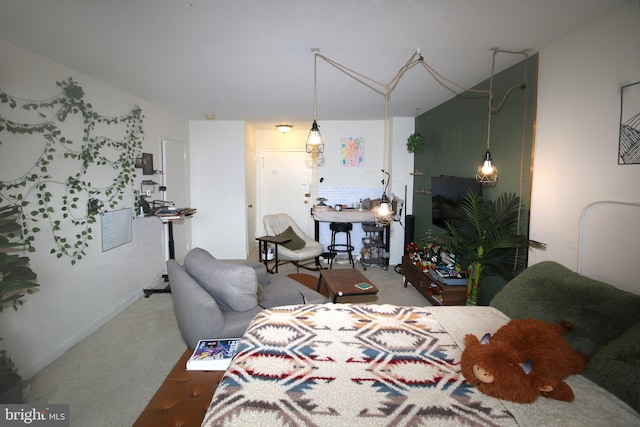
{"x":116,"y":228}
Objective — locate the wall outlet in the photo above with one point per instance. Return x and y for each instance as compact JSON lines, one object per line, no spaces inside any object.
{"x":147,"y":193}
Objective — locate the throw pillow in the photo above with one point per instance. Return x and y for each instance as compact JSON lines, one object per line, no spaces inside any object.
{"x":233,"y":286}
{"x":295,"y":243}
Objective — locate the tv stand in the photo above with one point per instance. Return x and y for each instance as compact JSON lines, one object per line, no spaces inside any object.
{"x":436,"y":291}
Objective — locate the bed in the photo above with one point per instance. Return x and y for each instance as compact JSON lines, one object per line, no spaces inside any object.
{"x":365,"y":365}
{"x":385,"y":365}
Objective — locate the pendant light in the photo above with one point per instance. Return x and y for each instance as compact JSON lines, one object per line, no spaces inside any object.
{"x":383,"y":215}
{"x":488,"y":172}
{"x":314,"y":140}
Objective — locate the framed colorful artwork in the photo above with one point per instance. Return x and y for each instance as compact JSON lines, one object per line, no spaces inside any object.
{"x":351,"y":151}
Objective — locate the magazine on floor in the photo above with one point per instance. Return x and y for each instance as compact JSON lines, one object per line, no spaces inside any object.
{"x":213,"y":354}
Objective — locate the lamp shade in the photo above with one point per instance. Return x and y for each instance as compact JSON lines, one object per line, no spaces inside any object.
{"x":487,"y":171}
{"x":314,"y":140}
{"x":383,"y":214}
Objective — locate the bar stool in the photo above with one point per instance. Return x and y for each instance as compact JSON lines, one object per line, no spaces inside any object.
{"x":335,"y":248}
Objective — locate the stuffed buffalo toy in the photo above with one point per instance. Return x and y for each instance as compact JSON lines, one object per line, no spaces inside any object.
{"x":522,"y":360}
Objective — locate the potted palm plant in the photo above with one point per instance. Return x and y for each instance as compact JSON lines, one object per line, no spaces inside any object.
{"x":16,"y":280}
{"x":484,"y":237}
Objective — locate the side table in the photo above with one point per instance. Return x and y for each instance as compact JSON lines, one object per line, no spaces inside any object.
{"x":263,"y":247}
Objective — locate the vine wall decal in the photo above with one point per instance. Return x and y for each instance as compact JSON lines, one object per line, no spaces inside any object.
{"x":56,"y":187}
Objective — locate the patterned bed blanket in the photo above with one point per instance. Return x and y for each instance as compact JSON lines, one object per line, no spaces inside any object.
{"x":365,"y":365}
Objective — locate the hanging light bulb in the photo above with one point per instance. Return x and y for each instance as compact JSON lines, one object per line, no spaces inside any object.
{"x":385,"y":209}
{"x":314,"y":140}
{"x":383,"y":214}
{"x":487,"y":171}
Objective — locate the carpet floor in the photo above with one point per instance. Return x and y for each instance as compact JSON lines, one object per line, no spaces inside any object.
{"x":109,"y":377}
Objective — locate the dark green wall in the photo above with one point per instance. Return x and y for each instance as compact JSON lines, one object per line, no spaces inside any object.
{"x":456,"y":134}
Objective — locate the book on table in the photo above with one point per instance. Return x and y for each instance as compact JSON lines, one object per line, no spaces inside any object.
{"x":213,"y":354}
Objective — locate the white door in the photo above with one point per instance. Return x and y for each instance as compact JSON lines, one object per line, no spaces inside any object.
{"x":286,"y":187}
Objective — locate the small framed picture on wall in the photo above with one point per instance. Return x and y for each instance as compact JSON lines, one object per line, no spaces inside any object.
{"x":145,"y":162}
{"x":629,"y":140}
{"x":351,"y":151}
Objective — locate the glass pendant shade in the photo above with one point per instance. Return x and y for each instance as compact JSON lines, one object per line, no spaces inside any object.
{"x":487,"y":171}
{"x":314,"y":140}
{"x":383,"y":214}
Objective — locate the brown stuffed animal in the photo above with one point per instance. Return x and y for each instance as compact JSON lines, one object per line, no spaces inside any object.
{"x":522,"y":360}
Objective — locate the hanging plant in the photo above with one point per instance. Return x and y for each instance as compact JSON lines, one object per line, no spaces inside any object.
{"x":416,"y":143}
{"x":33,"y":192}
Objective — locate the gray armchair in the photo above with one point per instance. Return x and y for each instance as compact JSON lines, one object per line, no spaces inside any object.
{"x":307,"y":249}
{"x":217,"y":299}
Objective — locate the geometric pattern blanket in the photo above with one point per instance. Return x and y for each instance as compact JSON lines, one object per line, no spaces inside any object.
{"x":349,"y":365}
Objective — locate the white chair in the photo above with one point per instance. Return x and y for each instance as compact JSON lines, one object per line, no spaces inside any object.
{"x":278,"y":224}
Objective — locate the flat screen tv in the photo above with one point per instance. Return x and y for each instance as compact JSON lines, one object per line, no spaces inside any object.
{"x":446,"y":195}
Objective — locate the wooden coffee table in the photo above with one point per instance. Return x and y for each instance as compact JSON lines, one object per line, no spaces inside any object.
{"x":342,"y":283}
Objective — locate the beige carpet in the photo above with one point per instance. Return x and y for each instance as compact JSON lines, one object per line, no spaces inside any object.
{"x":108,"y":378}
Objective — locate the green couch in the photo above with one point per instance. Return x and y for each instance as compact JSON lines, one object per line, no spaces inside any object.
{"x":606,"y":321}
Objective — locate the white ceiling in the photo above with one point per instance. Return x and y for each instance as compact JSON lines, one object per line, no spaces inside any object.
{"x":252,"y":60}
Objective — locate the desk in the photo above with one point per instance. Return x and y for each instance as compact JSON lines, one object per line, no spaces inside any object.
{"x":347,"y":215}
{"x":365,"y":216}
{"x":168,"y":219}
{"x":263,"y":248}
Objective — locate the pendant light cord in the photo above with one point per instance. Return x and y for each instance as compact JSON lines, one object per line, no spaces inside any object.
{"x":315,"y":86}
{"x":522,"y":146}
{"x":490,"y":108}
{"x":385,"y":89}
{"x":415,"y":59}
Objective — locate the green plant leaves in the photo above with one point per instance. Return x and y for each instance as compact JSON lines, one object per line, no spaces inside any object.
{"x":485,"y":233}
{"x":16,"y":278}
{"x":92,"y":150}
{"x":416,"y":143}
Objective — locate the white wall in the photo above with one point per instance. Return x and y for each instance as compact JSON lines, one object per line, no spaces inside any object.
{"x":401,"y":166}
{"x":575,"y":157}
{"x":74,"y":300}
{"x":218,"y":187}
{"x":400,"y":162}
{"x":367,"y":175}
